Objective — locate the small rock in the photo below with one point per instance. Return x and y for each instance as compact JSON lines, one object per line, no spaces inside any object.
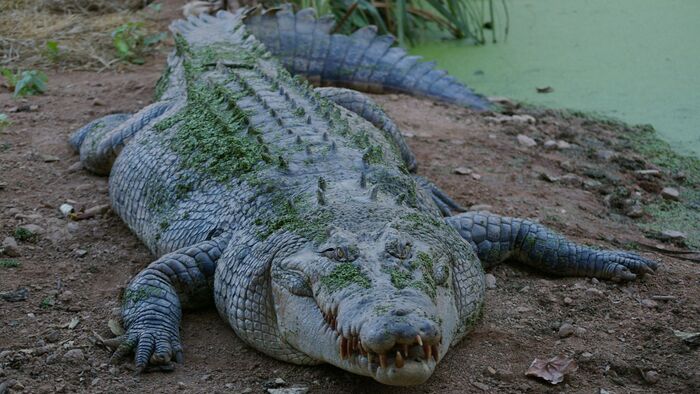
{"x":544,"y":89}
{"x":670,"y":193}
{"x":550,"y":144}
{"x":482,"y":386}
{"x":647,"y":303}
{"x":50,"y":158}
{"x":462,"y":171}
{"x":568,"y":301}
{"x":526,"y":141}
{"x":290,"y":390}
{"x":95,"y":382}
{"x":672,"y":235}
{"x":97,"y":102}
{"x":32,"y":228}
{"x":66,"y":296}
{"x":592,"y":185}
{"x":476,"y":177}
{"x":490,"y":281}
{"x":80,"y":253}
{"x":563,"y":144}
{"x":547,"y":177}
{"x":595,"y":293}
{"x":501,"y":101}
{"x":586,"y":355}
{"x":579,"y":331}
{"x":74,"y":356}
{"x":52,"y":336}
{"x":9,"y":247}
{"x":75,"y":167}
{"x":571,"y":180}
{"x":651,"y":377}
{"x":480,"y":207}
{"x":566,"y":330}
{"x":635,"y":211}
{"x":490,"y":370}
{"x":523,"y":119}
{"x":605,"y":155}
{"x":647,"y":173}
{"x":522,"y":309}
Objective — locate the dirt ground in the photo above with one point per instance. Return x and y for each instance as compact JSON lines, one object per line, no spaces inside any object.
{"x":74,"y":270}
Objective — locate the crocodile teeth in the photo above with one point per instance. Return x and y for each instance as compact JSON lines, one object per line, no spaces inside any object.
{"x":382,"y":360}
{"x":419,"y":340}
{"x":428,"y":351}
{"x":399,"y":360}
{"x":348,"y":347}
{"x":435,"y":352}
{"x":405,"y":350}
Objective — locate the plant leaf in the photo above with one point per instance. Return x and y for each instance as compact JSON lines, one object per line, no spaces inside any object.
{"x":552,"y":370}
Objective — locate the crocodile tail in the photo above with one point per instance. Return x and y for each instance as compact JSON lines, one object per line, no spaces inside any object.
{"x":362,"y":61}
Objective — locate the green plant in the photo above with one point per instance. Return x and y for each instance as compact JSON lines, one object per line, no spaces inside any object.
{"x":4,"y":122}
{"x":408,"y":20}
{"x":9,"y":263}
{"x":52,"y":51}
{"x":47,"y":302}
{"x":131,"y":41}
{"x":24,"y":235}
{"x":25,"y":82}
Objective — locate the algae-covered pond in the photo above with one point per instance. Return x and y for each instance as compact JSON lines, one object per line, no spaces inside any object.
{"x":636,"y":60}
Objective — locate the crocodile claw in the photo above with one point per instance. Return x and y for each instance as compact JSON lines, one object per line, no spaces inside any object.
{"x":625,"y":266}
{"x":154,"y":350}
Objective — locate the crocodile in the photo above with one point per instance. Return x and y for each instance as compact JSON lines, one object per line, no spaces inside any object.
{"x":297,"y":213}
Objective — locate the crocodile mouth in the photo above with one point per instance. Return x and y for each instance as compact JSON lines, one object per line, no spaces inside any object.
{"x":402,"y":364}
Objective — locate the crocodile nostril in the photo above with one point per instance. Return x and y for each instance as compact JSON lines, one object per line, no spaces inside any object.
{"x":401,"y":312}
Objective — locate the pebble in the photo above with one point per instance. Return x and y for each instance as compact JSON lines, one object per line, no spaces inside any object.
{"x":481,"y":207}
{"x":647,"y":303}
{"x":550,"y":144}
{"x":80,"y":252}
{"x":672,"y":235}
{"x":97,"y":102}
{"x":563,"y":145}
{"x":566,"y":330}
{"x":593,"y":292}
{"x":670,"y":193}
{"x":579,"y":331}
{"x":476,"y":176}
{"x":568,"y":301}
{"x":33,"y":228}
{"x":75,"y":167}
{"x":526,"y":141}
{"x":605,"y":155}
{"x":549,"y":178}
{"x":587,"y":355}
{"x":66,"y":296}
{"x":522,"y":309}
{"x":481,"y":386}
{"x":571,"y":179}
{"x":9,"y":247}
{"x":651,"y":377}
{"x":635,"y":211}
{"x":289,"y":390}
{"x":490,"y":281}
{"x":74,"y":356}
{"x":50,"y":158}
{"x":52,"y":336}
{"x":462,"y":171}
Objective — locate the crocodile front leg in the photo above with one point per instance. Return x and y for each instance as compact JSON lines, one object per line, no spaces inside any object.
{"x":496,"y":238}
{"x":154,"y":298}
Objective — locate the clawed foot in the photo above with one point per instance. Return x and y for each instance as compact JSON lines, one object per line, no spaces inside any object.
{"x":623,"y":266}
{"x":155,"y":350}
{"x":446,"y":205}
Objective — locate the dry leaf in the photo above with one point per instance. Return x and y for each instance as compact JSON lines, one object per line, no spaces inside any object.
{"x":552,"y":370}
{"x":690,"y":338}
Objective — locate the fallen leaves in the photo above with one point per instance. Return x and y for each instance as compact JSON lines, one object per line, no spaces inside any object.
{"x":552,"y":370}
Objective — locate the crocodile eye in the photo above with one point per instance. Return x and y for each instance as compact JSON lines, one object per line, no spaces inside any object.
{"x":398,"y":248}
{"x":295,"y":282}
{"x":341,"y":253}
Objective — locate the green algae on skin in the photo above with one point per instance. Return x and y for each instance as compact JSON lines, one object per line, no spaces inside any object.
{"x":344,"y":275}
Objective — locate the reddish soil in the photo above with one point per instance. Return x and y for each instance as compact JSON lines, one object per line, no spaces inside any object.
{"x":624,"y":336}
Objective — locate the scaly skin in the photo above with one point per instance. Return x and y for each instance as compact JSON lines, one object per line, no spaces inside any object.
{"x":362,"y":61}
{"x":297,"y":218}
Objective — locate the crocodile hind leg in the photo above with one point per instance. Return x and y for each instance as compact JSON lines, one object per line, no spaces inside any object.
{"x":496,"y":238}
{"x":365,"y":107}
{"x":153,"y":302}
{"x":100,"y":141}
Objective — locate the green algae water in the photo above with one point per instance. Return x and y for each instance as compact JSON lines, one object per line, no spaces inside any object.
{"x":636,"y":60}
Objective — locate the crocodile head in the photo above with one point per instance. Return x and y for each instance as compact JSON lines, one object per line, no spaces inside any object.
{"x":378,"y":303}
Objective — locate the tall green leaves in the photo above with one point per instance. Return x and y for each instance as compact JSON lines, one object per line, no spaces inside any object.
{"x":411,"y":20}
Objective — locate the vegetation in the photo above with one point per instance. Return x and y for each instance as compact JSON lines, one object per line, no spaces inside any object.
{"x":4,"y":122}
{"x":9,"y":263}
{"x":132,"y":41}
{"x":408,"y":20}
{"x":23,"y":235}
{"x":24,"y":83}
